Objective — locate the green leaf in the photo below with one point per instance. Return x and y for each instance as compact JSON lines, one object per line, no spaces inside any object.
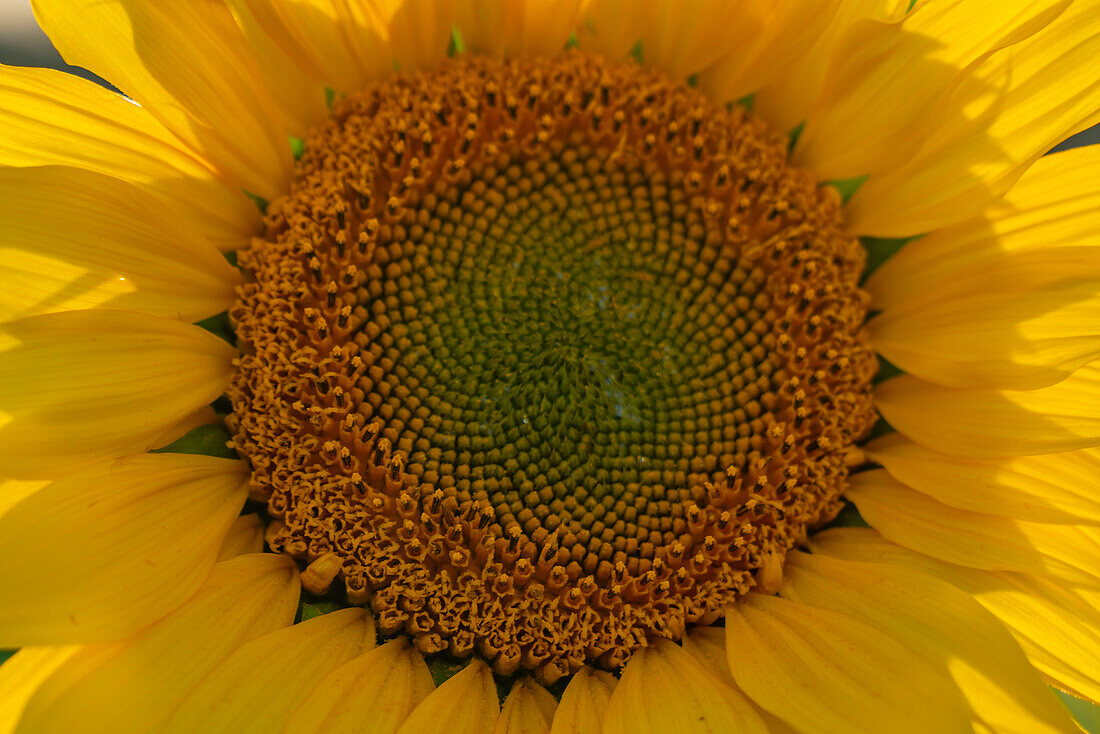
{"x":636,"y":51}
{"x":297,"y":147}
{"x":443,"y":667}
{"x":220,"y":326}
{"x":208,"y":440}
{"x":456,"y":45}
{"x":259,"y":201}
{"x":847,"y":186}
{"x":879,"y":250}
{"x":311,"y":609}
{"x":794,"y":135}
{"x":886,"y":370}
{"x":849,"y":517}
{"x":881,"y":428}
{"x":1086,"y":714}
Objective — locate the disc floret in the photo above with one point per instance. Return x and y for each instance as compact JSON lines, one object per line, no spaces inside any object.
{"x":545,"y":358}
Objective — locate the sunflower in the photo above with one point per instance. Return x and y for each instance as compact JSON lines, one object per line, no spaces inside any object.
{"x":576,"y":366}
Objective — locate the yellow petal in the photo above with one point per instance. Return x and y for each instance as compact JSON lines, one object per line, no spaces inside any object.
{"x":612,"y":27}
{"x":1047,"y":488}
{"x":323,"y":39}
{"x":889,"y":83}
{"x":1016,"y":106}
{"x":772,"y":37}
{"x":259,"y":685}
{"x":665,"y":689}
{"x":1018,"y":341}
{"x":106,"y":550}
{"x":786,"y":99}
{"x":510,"y":29}
{"x":918,"y":522}
{"x":204,"y":416}
{"x":1025,"y":273}
{"x":417,"y":32}
{"x":14,"y":491}
{"x":467,"y":701}
{"x":133,"y":685}
{"x":941,"y":624}
{"x":1045,"y":232}
{"x":73,"y":239}
{"x":584,"y":702}
{"x":1062,"y":417}
{"x":298,"y":95}
{"x":79,"y":386}
{"x":52,"y":118}
{"x":20,"y":677}
{"x":529,"y":709}
{"x":188,"y":64}
{"x":677,"y":41}
{"x":680,"y":43}
{"x":245,"y":536}
{"x":370,"y":694}
{"x":708,"y":645}
{"x":1058,"y":626}
{"x":820,"y":670}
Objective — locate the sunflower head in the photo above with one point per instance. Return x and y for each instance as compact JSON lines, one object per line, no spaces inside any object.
{"x":543,"y":369}
{"x":548,"y":358}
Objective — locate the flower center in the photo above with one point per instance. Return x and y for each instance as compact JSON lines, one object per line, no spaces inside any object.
{"x":545,"y":358}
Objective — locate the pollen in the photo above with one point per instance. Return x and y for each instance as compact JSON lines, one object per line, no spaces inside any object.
{"x":546,"y":359}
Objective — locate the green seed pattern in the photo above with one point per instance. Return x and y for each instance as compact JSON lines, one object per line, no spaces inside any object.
{"x":544,"y":359}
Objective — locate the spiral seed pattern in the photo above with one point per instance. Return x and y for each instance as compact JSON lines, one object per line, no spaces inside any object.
{"x":546,"y":358}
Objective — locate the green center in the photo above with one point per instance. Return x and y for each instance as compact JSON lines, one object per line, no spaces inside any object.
{"x":558,"y":340}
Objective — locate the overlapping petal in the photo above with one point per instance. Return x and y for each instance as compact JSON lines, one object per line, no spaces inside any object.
{"x":136,"y":683}
{"x":1045,"y":488}
{"x":941,"y":624}
{"x":467,"y":701}
{"x":20,"y":677}
{"x":188,"y":64}
{"x":1009,"y":299}
{"x":503,"y":28}
{"x":821,"y":670}
{"x":108,"y":549}
{"x":890,"y":83}
{"x":768,"y":42}
{"x":528,"y":709}
{"x":74,"y":239}
{"x":417,"y":32}
{"x":1057,"y":625}
{"x":918,"y":522}
{"x":258,"y":686}
{"x":1015,"y":107}
{"x":989,"y":422}
{"x":584,"y":702}
{"x":786,"y":99}
{"x":330,"y":42}
{"x":1043,"y":233}
{"x":692,"y":700}
{"x":244,"y":537}
{"x":53,"y":118}
{"x":372,"y":693}
{"x":79,"y":386}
